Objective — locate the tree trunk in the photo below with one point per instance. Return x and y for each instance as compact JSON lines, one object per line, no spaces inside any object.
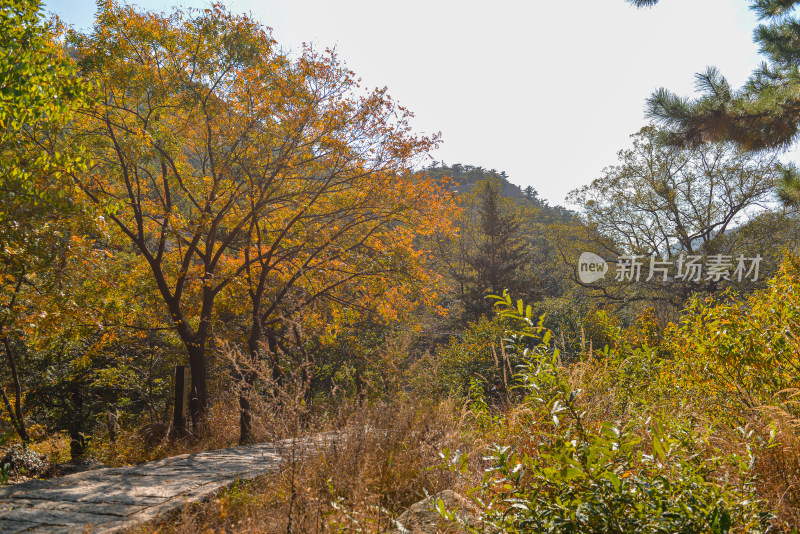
{"x":272,"y":340}
{"x":21,"y":431}
{"x":195,"y":343}
{"x":111,"y":423}
{"x":16,"y":415}
{"x":361,"y":395}
{"x":245,"y":420}
{"x":77,"y":440}
{"x":198,"y":395}
{"x":247,"y":381}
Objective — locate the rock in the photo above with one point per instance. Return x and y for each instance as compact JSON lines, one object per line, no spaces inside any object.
{"x":424,"y":517}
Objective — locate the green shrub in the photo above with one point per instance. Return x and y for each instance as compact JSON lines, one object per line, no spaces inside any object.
{"x":476,"y":355}
{"x":581,"y":476}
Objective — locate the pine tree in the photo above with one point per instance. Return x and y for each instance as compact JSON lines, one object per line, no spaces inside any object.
{"x":763,"y":114}
{"x":532,"y":195}
{"x":500,"y":254}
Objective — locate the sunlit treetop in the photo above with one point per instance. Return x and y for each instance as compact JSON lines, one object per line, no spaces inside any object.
{"x":39,"y":92}
{"x":37,"y":82}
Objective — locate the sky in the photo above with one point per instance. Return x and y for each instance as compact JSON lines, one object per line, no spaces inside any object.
{"x":546,"y":91}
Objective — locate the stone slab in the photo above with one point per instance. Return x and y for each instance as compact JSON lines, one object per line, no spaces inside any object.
{"x":115,"y":499}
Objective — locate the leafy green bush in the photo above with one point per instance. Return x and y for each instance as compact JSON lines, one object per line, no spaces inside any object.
{"x":476,"y":355}
{"x":747,"y":348}
{"x":576,"y":475}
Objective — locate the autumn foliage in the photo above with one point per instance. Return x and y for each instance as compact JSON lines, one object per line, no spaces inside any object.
{"x":176,"y":189}
{"x":248,"y":181}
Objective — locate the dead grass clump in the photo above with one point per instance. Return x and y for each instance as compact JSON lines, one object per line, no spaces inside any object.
{"x":151,"y":442}
{"x":777,"y":461}
{"x":375,"y":468}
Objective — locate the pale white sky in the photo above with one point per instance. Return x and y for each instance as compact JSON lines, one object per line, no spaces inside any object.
{"x":546,"y":91}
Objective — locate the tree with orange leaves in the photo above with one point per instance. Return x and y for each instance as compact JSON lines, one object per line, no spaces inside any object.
{"x":352,"y":247}
{"x":227,"y":164}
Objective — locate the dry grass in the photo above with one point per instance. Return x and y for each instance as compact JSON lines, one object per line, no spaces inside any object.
{"x":777,"y":461}
{"x":279,"y":411}
{"x":376,"y":469}
{"x":151,"y":442}
{"x":379,"y":465}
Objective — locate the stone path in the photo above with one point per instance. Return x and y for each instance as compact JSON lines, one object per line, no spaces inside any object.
{"x":117,"y":498}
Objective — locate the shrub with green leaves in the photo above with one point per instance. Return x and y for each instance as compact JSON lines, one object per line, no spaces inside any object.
{"x":476,"y":355}
{"x":578,"y":475}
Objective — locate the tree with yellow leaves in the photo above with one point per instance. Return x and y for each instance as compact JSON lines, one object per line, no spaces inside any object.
{"x":231,"y":167}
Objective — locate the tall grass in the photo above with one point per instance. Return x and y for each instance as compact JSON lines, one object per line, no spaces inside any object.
{"x":377,"y":466}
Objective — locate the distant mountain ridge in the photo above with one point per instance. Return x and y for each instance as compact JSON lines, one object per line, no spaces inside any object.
{"x":466,"y":176}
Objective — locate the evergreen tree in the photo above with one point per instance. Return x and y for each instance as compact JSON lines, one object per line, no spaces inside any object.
{"x":531,"y":195}
{"x":502,"y":253}
{"x":503,"y":240}
{"x":764,"y":114}
{"x":497,"y":257}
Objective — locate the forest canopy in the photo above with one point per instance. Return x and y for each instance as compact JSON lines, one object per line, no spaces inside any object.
{"x":190,"y":213}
